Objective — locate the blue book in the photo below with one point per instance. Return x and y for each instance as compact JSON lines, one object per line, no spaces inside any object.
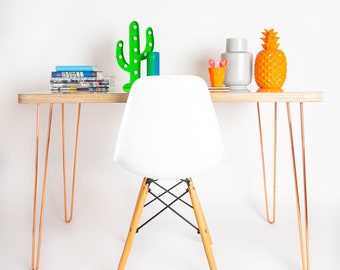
{"x":76,"y":68}
{"x":76,"y":74}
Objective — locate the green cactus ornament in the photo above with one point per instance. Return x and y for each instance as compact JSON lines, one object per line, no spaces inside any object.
{"x":135,"y":56}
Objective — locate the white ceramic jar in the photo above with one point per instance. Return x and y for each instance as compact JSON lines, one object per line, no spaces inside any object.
{"x":240,"y":64}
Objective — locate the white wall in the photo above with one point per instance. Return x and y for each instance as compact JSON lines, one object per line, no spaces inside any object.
{"x":35,"y":36}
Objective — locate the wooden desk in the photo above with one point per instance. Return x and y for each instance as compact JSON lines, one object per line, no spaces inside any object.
{"x":79,"y":98}
{"x":41,"y":98}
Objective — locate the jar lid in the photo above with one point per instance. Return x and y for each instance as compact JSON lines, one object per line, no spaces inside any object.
{"x":236,"y":44}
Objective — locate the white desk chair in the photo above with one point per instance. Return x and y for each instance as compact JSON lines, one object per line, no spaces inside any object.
{"x":169,"y":130}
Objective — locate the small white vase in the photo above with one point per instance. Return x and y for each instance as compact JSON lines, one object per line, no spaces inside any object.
{"x":240,"y":64}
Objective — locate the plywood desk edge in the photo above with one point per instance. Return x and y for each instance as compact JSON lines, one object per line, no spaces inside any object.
{"x":37,"y":98}
{"x":266,"y":97}
{"x":40,"y":98}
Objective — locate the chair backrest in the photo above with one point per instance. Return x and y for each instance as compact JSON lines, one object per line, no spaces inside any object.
{"x":169,"y":128}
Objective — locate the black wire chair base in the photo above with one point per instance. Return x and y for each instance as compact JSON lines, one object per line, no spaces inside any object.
{"x":168,"y":205}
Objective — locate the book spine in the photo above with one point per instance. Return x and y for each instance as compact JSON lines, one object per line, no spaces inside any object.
{"x":76,"y":68}
{"x":80,"y":80}
{"x":79,"y":89}
{"x":76,"y":74}
{"x":95,"y":84}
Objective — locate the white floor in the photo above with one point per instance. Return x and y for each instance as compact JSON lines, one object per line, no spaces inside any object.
{"x":236,"y":218}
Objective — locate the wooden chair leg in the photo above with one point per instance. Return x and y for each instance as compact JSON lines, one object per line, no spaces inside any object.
{"x":202,"y":225}
{"x":134,"y":223}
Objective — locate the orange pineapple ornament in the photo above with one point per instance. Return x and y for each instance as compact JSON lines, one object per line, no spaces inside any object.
{"x":270,"y":64}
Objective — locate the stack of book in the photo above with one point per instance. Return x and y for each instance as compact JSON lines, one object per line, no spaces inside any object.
{"x":69,"y":79}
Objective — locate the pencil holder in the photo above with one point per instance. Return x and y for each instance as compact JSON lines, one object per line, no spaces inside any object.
{"x":216,"y":76}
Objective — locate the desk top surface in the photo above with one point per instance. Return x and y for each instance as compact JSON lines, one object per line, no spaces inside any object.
{"x":216,"y":96}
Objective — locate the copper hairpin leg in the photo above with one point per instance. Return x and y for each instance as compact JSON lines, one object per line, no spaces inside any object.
{"x":36,"y":239}
{"x":36,"y":253}
{"x":304,"y":245}
{"x":66,"y":218}
{"x":269,"y":220}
